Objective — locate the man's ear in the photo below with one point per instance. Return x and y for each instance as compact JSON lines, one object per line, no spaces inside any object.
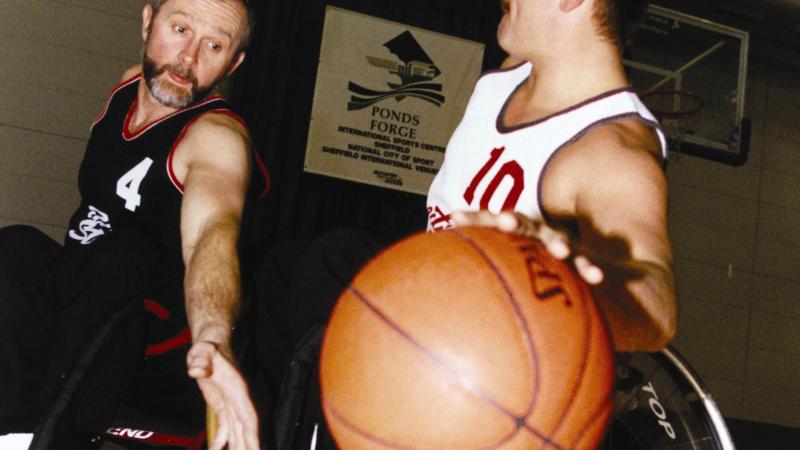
{"x":569,"y":5}
{"x":147,"y":20}
{"x":236,"y":63}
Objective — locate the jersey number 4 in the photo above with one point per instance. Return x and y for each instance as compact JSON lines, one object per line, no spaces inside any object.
{"x":510,"y":169}
{"x":128,"y":184}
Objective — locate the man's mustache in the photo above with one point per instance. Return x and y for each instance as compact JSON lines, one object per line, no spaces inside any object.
{"x":186,"y":73}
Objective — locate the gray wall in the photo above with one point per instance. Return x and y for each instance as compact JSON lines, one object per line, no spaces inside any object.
{"x":59,"y":60}
{"x":742,"y":332}
{"x":736,"y":235}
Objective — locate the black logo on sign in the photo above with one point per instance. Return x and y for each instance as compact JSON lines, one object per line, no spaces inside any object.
{"x":414,"y":68}
{"x":389,"y":178}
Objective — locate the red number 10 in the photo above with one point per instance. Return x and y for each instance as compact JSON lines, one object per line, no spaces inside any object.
{"x":510,"y":169}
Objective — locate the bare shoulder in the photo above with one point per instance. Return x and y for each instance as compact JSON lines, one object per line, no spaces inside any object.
{"x":619,"y":160}
{"x":217,"y":139}
{"x":628,"y":145}
{"x":213,"y":131}
{"x":131,"y":72}
{"x":608,"y":161}
{"x":629,"y":136}
{"x":226,"y":124}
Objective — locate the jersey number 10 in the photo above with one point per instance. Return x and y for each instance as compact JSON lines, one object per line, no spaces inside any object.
{"x":128,"y":184}
{"x":510,"y":169}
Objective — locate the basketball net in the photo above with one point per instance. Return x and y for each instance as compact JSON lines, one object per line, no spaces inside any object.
{"x":678,"y":113}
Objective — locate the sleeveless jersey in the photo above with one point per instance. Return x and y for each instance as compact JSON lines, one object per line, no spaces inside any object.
{"x":490,"y":166}
{"x":126,"y":179}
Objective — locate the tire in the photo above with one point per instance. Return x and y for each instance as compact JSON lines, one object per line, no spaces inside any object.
{"x":660,"y":403}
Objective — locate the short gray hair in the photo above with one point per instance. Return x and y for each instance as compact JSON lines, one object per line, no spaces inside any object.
{"x":247,"y":32}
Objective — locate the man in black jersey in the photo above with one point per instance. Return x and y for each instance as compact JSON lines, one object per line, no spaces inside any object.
{"x":163,"y":186}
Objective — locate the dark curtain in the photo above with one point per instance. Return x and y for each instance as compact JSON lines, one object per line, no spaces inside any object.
{"x":274,"y":88}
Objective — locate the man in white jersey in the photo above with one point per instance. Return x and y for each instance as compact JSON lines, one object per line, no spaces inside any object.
{"x":559,"y":139}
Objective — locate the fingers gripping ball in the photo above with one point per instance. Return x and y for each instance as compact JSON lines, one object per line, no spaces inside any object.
{"x":466,"y":339}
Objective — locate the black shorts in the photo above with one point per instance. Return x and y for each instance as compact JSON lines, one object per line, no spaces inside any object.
{"x":59,"y":307}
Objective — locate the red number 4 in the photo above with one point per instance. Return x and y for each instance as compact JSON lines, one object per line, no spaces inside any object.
{"x":510,"y":169}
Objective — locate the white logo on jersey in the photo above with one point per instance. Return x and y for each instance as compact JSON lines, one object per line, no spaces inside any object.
{"x":130,"y":433}
{"x":92,"y":227}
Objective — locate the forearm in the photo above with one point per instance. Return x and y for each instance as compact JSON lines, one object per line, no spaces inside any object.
{"x":212,"y":284}
{"x":639,"y":305}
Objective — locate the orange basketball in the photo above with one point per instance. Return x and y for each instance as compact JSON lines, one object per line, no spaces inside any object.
{"x":466,"y":339}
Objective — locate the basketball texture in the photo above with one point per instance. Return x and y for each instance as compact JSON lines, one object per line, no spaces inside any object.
{"x":466,"y":339}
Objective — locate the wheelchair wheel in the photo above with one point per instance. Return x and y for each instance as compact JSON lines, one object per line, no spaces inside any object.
{"x":660,"y":403}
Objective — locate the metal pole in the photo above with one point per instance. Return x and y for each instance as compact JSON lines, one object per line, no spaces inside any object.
{"x":691,"y":63}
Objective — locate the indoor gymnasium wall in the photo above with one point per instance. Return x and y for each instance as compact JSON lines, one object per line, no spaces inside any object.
{"x":736,"y":234}
{"x":59,"y":60}
{"x":736,"y":231}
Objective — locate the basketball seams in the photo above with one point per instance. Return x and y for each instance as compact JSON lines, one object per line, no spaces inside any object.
{"x":350,"y":426}
{"x":336,"y":415}
{"x":601,"y":415}
{"x":468,"y":387}
{"x":527,"y":338}
{"x":608,"y":401}
{"x":584,"y":364}
{"x":505,"y":290}
{"x":549,"y":441}
{"x":526,"y":335}
{"x":597,"y":415}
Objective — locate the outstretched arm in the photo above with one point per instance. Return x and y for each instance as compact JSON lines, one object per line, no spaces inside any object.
{"x":213,"y":161}
{"x":621,"y":209}
{"x":615,"y":190}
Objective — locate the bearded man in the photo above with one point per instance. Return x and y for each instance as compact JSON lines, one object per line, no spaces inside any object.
{"x":163,"y":186}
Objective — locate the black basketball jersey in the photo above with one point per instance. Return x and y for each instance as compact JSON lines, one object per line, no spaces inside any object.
{"x":126,"y":180}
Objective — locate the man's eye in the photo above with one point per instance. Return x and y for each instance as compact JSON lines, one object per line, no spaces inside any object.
{"x":180,"y":29}
{"x":214,"y":46}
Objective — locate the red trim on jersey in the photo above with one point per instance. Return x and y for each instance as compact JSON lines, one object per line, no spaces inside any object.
{"x":185,"y":337}
{"x":102,"y":114}
{"x":128,"y":136}
{"x":259,"y":162}
{"x":156,"y":308}
{"x":171,"y":439}
{"x":231,"y":114}
{"x":170,"y":171}
{"x":199,"y":440}
{"x":263,"y":168}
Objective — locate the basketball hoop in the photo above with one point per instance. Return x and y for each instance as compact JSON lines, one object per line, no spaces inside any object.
{"x":677,"y":111}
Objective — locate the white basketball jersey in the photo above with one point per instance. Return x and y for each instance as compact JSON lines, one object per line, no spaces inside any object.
{"x":490,"y":166}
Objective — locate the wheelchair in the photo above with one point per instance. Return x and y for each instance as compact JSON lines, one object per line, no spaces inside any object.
{"x":660,"y":404}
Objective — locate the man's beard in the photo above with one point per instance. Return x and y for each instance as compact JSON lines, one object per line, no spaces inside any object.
{"x":172,"y":95}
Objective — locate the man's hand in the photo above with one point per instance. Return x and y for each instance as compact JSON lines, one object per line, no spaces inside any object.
{"x":226,"y":393}
{"x":557,"y":242}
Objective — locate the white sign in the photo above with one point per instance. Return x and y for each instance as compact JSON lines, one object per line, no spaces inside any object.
{"x":388,"y":97}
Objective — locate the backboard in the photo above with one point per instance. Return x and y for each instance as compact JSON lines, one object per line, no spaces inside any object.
{"x":692,"y":72}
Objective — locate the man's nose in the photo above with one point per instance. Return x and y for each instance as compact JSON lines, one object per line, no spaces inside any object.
{"x":189,"y":54}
